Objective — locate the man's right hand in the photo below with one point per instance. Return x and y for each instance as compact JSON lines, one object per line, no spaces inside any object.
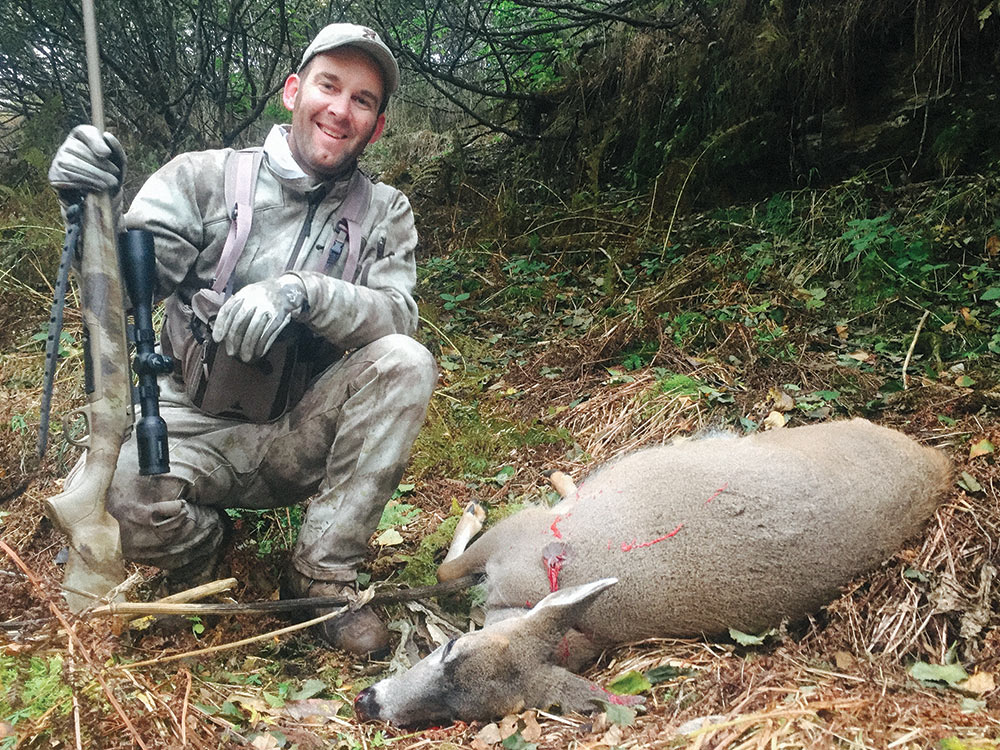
{"x":88,"y":161}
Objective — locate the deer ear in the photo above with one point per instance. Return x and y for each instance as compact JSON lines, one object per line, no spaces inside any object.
{"x":572,"y":597}
{"x":560,"y":610}
{"x":571,"y":692}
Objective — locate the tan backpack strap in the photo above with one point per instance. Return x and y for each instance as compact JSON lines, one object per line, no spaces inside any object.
{"x":355,"y":206}
{"x":240,"y":184}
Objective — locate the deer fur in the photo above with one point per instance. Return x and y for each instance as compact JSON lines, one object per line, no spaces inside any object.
{"x":702,"y":536}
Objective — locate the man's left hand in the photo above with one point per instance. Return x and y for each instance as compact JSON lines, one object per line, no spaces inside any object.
{"x":250,"y":320}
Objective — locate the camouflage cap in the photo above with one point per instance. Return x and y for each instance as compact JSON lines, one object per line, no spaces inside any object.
{"x":348,"y":34}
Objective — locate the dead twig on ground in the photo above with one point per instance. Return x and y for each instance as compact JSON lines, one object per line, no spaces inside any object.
{"x":909,"y":352}
{"x":163,"y":607}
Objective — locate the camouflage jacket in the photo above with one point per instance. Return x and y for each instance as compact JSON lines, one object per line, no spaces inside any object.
{"x":183,"y":204}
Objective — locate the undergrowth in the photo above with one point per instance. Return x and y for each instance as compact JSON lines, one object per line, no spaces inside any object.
{"x":576,"y":309}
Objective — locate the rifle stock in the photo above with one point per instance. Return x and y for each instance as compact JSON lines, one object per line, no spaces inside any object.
{"x":95,"y":562}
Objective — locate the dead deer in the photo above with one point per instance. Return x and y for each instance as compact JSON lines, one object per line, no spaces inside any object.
{"x":681,"y":540}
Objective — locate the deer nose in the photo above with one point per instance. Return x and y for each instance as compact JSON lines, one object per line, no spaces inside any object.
{"x":366,"y":705}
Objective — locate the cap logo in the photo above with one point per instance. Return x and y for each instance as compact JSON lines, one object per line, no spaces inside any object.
{"x":369,"y":34}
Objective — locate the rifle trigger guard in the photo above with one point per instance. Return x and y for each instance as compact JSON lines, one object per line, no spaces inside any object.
{"x":67,"y":423}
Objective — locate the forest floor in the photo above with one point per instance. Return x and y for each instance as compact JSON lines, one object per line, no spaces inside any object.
{"x":565,"y":338}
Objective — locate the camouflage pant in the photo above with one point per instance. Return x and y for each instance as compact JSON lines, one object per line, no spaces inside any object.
{"x":347,"y":442}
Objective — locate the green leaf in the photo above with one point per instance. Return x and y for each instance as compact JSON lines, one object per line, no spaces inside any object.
{"x":992,"y":293}
{"x":746,"y":639}
{"x":969,"y":483}
{"x":308,"y":690}
{"x":630,"y":683}
{"x":663,"y":673}
{"x":504,"y":475}
{"x":621,"y":716}
{"x":388,"y":538}
{"x":936,"y":674}
{"x":275,"y":701}
{"x":517,"y":742}
{"x":402,"y":489}
{"x":915,"y":575}
{"x":972,"y":705}
{"x":827,"y":395}
{"x":981,"y":448}
{"x":397,"y":514}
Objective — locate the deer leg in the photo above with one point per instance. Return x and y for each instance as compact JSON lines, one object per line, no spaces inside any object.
{"x":560,"y":482}
{"x":470,"y":524}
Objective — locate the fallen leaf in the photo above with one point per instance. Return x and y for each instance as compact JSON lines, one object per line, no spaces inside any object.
{"x":388,"y":538}
{"x":312,"y":708}
{"x":508,"y":726}
{"x":600,"y":722}
{"x":983,"y":448}
{"x":844,"y":660}
{"x":517,"y":742}
{"x":970,"y":706}
{"x":308,"y":690}
{"x":949,"y":327}
{"x":821,"y":412}
{"x":979,"y":684}
{"x":774,"y":420}
{"x":489,"y":735}
{"x":782,"y":401}
{"x":992,"y":245}
{"x":6,"y":730}
{"x":532,"y":732}
{"x":967,"y":315}
{"x":265,"y":742}
{"x":969,"y":483}
{"x":621,"y":716}
{"x":964,"y":381}
{"x":748,"y":639}
{"x":860,"y":356}
{"x":612,"y":737}
{"x":950,"y":674}
{"x":841,"y":332}
{"x":630,"y":683}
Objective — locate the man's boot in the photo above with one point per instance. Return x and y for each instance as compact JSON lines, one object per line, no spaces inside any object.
{"x":358,"y":632}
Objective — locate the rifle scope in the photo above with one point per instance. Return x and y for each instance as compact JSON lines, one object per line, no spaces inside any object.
{"x":138,"y":264}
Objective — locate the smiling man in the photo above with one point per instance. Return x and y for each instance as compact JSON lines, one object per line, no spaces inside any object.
{"x":298,"y":377}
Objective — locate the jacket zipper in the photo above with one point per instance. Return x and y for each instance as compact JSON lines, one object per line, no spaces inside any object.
{"x":314,"y":202}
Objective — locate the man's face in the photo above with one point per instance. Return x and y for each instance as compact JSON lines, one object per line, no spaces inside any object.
{"x":334,"y":105}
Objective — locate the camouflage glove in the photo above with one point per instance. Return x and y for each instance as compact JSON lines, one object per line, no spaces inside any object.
{"x":251,"y":319}
{"x":88,"y":162}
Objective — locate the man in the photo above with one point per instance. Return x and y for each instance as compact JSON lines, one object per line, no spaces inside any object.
{"x":348,"y":439}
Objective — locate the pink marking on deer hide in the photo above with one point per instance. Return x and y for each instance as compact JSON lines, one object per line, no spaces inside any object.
{"x":634,"y":544}
{"x":718,"y":492}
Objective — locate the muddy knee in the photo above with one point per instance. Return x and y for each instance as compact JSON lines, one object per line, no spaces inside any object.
{"x":407,"y":361}
{"x":158,"y":526}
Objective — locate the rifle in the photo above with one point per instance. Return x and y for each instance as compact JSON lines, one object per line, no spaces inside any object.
{"x":94,"y":565}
